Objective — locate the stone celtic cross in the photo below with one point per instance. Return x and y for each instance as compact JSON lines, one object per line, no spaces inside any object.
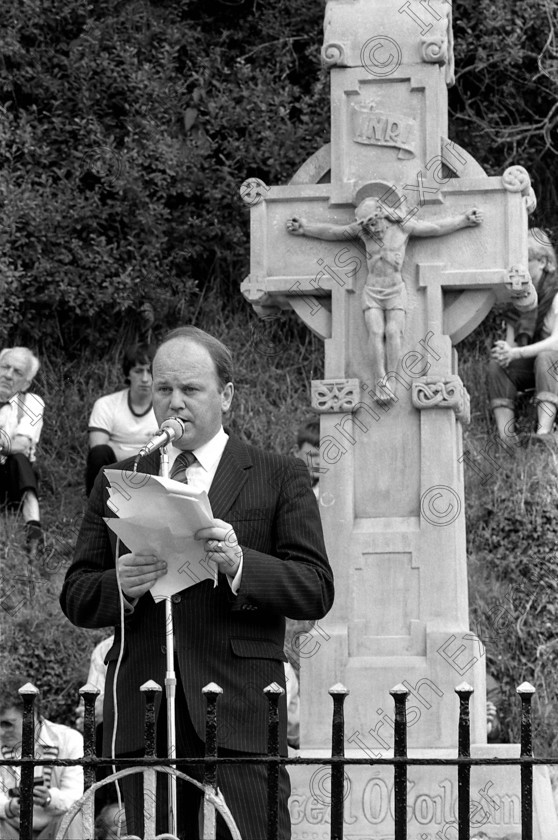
{"x":390,"y":268}
{"x":391,"y":490}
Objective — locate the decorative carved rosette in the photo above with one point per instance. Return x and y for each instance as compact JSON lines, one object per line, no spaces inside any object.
{"x":519,"y":281}
{"x":253,"y":191}
{"x":334,"y":54}
{"x":436,"y":47}
{"x":335,"y":395}
{"x":516,"y":179}
{"x":435,"y":50}
{"x":448,"y":392}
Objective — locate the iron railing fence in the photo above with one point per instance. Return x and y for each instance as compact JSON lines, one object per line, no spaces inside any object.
{"x":337,"y":761}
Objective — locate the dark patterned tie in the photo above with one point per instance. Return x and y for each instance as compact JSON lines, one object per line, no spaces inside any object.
{"x":181,"y":464}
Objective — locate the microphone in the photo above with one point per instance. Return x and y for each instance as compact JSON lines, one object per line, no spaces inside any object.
{"x":171,"y":429}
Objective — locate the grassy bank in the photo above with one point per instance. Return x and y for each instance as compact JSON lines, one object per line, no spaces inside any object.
{"x":512,"y":535}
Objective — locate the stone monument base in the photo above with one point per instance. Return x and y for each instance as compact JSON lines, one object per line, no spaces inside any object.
{"x":431,"y":799}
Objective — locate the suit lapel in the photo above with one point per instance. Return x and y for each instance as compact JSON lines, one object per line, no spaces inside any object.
{"x":151,"y":463}
{"x":232,"y":474}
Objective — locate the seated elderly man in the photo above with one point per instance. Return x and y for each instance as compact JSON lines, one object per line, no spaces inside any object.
{"x":55,"y":789}
{"x":21,"y":421}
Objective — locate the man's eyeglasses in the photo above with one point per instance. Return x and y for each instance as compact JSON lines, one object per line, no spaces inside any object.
{"x":6,"y":724}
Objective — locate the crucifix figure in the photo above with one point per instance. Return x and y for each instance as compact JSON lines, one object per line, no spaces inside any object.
{"x":385,"y":232}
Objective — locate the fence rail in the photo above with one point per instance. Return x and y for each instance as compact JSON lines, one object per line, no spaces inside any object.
{"x":337,"y":761}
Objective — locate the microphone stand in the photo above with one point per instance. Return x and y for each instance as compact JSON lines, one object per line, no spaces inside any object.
{"x":170,"y":684}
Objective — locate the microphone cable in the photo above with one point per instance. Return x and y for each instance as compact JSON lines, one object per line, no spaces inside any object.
{"x":115,"y":683}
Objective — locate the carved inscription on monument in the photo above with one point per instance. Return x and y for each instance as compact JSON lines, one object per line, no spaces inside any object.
{"x":431,"y":810}
{"x":380,"y":128}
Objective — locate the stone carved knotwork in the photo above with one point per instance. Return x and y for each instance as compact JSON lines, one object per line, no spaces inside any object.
{"x":447,"y":392}
{"x":516,"y":179}
{"x":335,"y":395}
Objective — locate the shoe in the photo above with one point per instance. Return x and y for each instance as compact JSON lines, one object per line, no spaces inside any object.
{"x":34,"y":539}
{"x":512,"y":441}
{"x":32,"y":548}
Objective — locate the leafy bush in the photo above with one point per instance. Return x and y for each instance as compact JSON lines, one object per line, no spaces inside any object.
{"x":127,"y":131}
{"x":127,"y":128}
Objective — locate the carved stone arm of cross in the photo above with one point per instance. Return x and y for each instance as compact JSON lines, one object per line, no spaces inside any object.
{"x":441,"y":227}
{"x":322,"y":230}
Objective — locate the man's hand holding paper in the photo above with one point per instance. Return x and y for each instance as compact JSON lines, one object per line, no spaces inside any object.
{"x":159,"y":521}
{"x":138,"y":572}
{"x":221,"y":546}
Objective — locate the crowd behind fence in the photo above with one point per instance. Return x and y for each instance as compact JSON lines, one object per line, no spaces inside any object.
{"x":337,"y":761}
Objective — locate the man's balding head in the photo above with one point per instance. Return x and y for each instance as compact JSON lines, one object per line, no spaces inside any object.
{"x":191,"y":380}
{"x":219,"y":352}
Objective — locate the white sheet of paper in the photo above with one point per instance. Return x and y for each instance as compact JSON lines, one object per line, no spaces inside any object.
{"x":160,"y":515}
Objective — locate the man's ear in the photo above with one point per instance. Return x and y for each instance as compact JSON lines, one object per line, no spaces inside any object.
{"x":226,"y":396}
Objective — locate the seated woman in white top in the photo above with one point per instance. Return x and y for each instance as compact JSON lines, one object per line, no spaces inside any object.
{"x":121,"y":423}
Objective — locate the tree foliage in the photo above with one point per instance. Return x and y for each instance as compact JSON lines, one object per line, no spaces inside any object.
{"x":127,"y":129}
{"x":128,"y":126}
{"x":503,"y":107}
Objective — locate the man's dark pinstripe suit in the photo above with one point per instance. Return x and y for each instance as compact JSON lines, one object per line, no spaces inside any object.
{"x":235,"y":641}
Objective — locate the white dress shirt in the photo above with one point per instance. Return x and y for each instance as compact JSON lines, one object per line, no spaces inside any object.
{"x":201,"y":473}
{"x":22,"y":415}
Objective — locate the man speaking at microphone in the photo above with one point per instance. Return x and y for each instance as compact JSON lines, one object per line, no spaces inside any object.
{"x":266,"y":540}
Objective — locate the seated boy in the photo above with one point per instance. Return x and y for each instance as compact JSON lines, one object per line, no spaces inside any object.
{"x":308,"y":448}
{"x":121,"y":423}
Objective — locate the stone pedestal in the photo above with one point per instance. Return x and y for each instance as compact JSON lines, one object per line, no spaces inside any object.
{"x":431,"y":678}
{"x":431,"y":799}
